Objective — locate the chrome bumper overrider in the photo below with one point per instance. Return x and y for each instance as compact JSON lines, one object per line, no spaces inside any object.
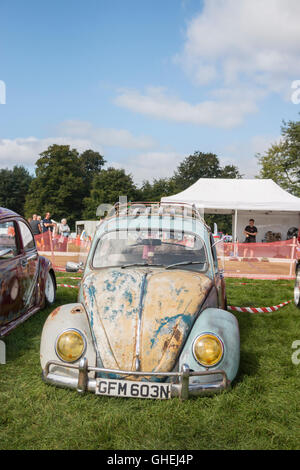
{"x":183,"y":389}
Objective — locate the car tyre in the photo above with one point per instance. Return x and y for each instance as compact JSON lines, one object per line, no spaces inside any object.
{"x":50,"y":289}
{"x":297,"y":287}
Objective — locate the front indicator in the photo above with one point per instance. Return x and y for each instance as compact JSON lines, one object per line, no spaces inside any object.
{"x":208,"y":350}
{"x":70,"y":346}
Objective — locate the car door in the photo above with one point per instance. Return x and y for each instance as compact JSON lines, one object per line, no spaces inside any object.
{"x":11,"y":298}
{"x":29,"y":265}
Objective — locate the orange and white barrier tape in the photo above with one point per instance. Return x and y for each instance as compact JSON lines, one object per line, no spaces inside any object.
{"x":259,"y":309}
{"x":67,"y":277}
{"x":67,"y":285}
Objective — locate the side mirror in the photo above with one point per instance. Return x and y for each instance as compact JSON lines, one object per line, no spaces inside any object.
{"x":72,"y":267}
{"x":216,"y":242}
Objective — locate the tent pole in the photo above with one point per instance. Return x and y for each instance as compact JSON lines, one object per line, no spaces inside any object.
{"x":235,"y":226}
{"x":235,"y":232}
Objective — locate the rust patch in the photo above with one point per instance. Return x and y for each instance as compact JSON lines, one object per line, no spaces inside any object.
{"x":76,"y":310}
{"x":177,"y":334}
{"x":55,"y":312}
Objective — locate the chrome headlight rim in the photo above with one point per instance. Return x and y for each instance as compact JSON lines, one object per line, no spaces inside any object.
{"x":208,"y":333}
{"x":84,"y":343}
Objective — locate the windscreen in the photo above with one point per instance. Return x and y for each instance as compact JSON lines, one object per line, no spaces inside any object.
{"x":159,"y":248}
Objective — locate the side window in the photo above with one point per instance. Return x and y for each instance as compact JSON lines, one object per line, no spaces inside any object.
{"x":27,"y":237}
{"x":8,"y":244}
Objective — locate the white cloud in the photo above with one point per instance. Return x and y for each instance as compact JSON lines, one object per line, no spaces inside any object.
{"x":105,"y":137}
{"x":241,"y":51}
{"x":143,"y":166}
{"x":254,"y":40}
{"x":162,"y":164}
{"x":226,"y":111}
{"x":150,"y":165}
{"x":79,"y":135}
{"x":25,"y":151}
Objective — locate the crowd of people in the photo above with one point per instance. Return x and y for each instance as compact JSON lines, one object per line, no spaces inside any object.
{"x":44,"y":229}
{"x":39,"y":225}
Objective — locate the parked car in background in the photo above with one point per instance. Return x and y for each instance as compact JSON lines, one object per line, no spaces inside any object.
{"x":151,"y":318}
{"x":27,"y":280}
{"x":297,"y":272}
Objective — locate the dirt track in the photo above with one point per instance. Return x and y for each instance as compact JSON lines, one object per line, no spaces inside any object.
{"x":231,"y":267}
{"x":257,"y":267}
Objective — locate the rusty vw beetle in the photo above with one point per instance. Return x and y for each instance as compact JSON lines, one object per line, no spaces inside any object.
{"x":27,"y":280}
{"x":151,"y":318}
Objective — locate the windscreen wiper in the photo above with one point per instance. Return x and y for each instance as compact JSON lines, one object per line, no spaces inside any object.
{"x":139,"y":264}
{"x":185,"y":263}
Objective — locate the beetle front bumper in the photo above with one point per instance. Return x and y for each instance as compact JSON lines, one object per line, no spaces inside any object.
{"x":184,"y":389}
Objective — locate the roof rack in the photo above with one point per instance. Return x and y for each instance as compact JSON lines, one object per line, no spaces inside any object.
{"x":173,"y":209}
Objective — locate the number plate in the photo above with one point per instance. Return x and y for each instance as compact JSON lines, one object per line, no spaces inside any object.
{"x":127,"y":388}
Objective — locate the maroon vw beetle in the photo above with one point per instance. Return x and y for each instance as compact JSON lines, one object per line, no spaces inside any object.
{"x":27,"y":280}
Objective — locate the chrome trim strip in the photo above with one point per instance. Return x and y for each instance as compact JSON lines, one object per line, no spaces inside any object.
{"x":139,"y":326}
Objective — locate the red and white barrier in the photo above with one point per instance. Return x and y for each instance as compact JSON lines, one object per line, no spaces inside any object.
{"x":67,"y":285}
{"x":73,"y":278}
{"x":259,"y":309}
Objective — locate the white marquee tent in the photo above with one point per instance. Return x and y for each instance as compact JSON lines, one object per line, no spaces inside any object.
{"x":268,"y":204}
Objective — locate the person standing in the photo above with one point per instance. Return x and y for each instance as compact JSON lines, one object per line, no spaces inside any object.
{"x":63,"y":228}
{"x":48,"y":227}
{"x":39,"y":218}
{"x":250,"y":232}
{"x":48,"y":224}
{"x":35,"y":225}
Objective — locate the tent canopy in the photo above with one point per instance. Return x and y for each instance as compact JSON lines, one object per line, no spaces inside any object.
{"x":217,"y":195}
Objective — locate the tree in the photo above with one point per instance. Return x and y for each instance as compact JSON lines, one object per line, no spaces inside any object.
{"x":230,"y":171}
{"x":193,"y":167}
{"x":92,"y":163}
{"x":107,"y":186}
{"x":202,"y":165}
{"x":59,"y":186}
{"x":281,"y":162}
{"x":14,"y":185}
{"x":205,"y":165}
{"x":161,"y":187}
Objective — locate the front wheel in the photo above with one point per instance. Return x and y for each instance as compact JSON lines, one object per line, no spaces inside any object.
{"x":297,"y":287}
{"x":50,"y":289}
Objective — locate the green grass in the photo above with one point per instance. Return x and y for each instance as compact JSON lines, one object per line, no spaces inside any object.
{"x":261,"y":411}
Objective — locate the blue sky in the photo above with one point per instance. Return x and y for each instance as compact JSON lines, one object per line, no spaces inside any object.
{"x":147,"y":82}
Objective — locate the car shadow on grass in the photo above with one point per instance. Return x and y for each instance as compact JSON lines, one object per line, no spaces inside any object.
{"x":249,"y":363}
{"x":26,"y":336}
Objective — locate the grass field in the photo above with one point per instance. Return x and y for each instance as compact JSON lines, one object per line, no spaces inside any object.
{"x":261,"y":411}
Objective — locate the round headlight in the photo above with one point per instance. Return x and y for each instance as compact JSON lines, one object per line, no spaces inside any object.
{"x":208,"y":350}
{"x":70,"y":346}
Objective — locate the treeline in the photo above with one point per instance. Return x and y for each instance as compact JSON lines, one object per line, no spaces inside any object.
{"x":72,"y":185}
